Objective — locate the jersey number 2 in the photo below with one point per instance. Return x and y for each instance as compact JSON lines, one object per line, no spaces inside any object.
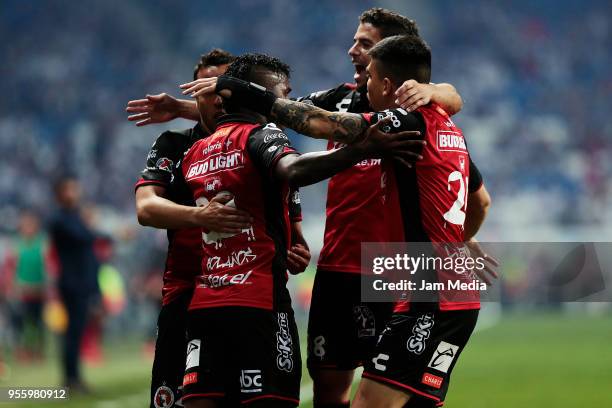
{"x":456,"y":214}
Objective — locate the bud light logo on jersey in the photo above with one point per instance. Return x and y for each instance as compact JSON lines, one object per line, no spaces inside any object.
{"x":215,"y":164}
{"x":449,"y":141}
{"x":284,"y":344}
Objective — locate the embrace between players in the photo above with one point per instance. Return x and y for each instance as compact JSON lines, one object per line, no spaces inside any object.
{"x":227,"y":192}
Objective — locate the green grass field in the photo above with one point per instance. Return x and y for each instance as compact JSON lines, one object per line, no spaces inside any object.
{"x":523,"y":361}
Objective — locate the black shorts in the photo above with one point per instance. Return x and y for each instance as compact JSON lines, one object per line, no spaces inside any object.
{"x":417,"y":351}
{"x":342,"y":330}
{"x":170,"y":347}
{"x":243,"y":356}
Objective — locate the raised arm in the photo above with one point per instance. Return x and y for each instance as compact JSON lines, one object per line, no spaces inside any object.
{"x":318,"y":123}
{"x":310,"y":168}
{"x":160,"y":108}
{"x":412,"y":94}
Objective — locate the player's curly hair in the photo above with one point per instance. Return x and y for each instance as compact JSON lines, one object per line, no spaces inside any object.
{"x":389,"y":23}
{"x":252,"y":68}
{"x":244,"y":67}
{"x":214,"y":57}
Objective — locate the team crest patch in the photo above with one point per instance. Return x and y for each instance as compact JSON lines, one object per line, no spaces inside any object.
{"x":164,"y":397}
{"x":164,"y":164}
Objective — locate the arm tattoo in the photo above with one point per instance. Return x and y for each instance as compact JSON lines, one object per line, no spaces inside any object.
{"x":319,"y":123}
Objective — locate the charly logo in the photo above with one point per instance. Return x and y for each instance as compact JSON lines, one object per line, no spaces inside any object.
{"x":379,"y":361}
{"x":284,"y":344}
{"x":420,"y":332}
{"x":193,"y":354}
{"x":443,"y":356}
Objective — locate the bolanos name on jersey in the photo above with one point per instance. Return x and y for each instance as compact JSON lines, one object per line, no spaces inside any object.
{"x":215,"y":164}
{"x":450,"y":141}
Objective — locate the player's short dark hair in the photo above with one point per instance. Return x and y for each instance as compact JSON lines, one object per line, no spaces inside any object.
{"x":251,"y":68}
{"x":214,"y":57}
{"x":388,"y":22}
{"x":403,"y":57}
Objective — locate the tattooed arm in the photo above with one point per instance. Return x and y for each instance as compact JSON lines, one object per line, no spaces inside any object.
{"x":318,"y":123}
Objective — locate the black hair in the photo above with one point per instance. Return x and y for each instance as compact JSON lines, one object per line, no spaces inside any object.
{"x":215,"y":57}
{"x":252,"y":68}
{"x":403,"y":57}
{"x":389,"y":23}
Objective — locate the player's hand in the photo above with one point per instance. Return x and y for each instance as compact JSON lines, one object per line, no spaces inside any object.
{"x":200,"y":86}
{"x":412,"y":94}
{"x":490,"y":263}
{"x":158,"y":108}
{"x":298,"y":258}
{"x":402,"y":146}
{"x":219,"y":217}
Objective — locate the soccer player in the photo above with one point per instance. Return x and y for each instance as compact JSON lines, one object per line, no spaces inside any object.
{"x":163,"y":202}
{"x":340,"y":336}
{"x":243,"y":340}
{"x":419,"y":347}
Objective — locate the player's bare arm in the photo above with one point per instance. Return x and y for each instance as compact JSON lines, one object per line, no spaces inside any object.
{"x":298,"y":256}
{"x":154,"y":210}
{"x":477,"y":209}
{"x":412,"y":94}
{"x":160,"y":108}
{"x":318,"y":123}
{"x":310,"y":168}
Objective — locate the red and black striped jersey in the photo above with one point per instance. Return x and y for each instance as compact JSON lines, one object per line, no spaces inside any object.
{"x":355,"y":196}
{"x":249,"y":268}
{"x":184,"y":254}
{"x":430,"y":199}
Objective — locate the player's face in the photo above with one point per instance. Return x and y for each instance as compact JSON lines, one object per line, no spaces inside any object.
{"x":365,"y":38}
{"x":282,"y":88}
{"x":376,"y":87}
{"x":210,"y":106}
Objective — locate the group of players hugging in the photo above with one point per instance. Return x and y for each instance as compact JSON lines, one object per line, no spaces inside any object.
{"x":227,"y":192}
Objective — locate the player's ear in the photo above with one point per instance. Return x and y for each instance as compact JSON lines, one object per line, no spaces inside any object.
{"x":388,"y":88}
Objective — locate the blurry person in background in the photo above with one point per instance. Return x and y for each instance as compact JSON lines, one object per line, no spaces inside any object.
{"x":30,"y":286}
{"x":77,"y":283}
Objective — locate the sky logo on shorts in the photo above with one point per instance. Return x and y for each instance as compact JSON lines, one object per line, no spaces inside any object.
{"x":420,"y":332}
{"x":284,"y":344}
{"x":432,"y":380}
{"x":443,"y":356}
